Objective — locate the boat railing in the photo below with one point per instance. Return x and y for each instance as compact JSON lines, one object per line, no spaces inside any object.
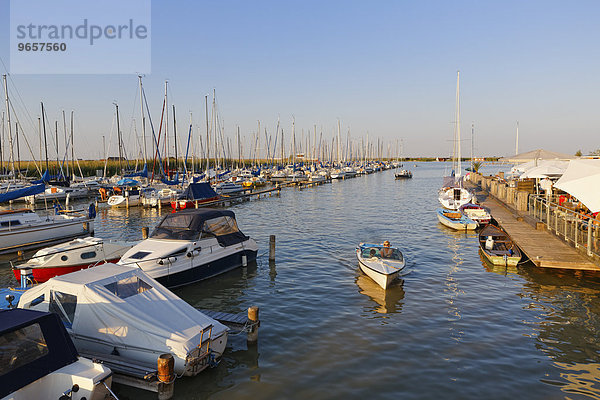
{"x":567,"y":221}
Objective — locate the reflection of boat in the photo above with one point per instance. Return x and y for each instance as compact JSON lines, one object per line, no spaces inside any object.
{"x":498,"y":247}
{"x":38,"y":360}
{"x":455,"y":220}
{"x":192,"y":245}
{"x":381,"y":267}
{"x":24,"y":229}
{"x":72,"y":256}
{"x":121,"y":315}
{"x":389,"y":301}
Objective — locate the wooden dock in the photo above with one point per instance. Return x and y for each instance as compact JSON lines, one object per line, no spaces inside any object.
{"x":543,"y":248}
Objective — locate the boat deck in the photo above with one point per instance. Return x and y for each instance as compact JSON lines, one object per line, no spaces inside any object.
{"x":540,"y":246}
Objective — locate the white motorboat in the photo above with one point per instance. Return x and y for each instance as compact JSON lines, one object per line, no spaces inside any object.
{"x":153,"y":197}
{"x":192,"y":245}
{"x":24,"y":229}
{"x":122,"y":315}
{"x":71,"y":256}
{"x":382,"y":264}
{"x":125,"y":197}
{"x":38,"y":361}
{"x":404,"y":174}
{"x":58,"y":193}
{"x":337,"y":173}
{"x":228,"y":188}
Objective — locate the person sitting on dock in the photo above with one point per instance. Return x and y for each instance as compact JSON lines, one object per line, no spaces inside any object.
{"x":386,"y":251}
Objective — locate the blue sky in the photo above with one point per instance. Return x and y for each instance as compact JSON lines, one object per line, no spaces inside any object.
{"x":386,"y":67}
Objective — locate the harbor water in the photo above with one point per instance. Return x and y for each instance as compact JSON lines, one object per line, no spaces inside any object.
{"x":454,"y":327}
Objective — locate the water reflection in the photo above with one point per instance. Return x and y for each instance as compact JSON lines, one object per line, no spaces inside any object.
{"x":386,"y":301}
{"x":583,"y":379}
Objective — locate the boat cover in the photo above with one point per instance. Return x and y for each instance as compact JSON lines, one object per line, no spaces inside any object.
{"x":192,"y":224}
{"x":18,"y":193}
{"x":198,"y":191}
{"x":32,"y":345}
{"x":123,"y":305}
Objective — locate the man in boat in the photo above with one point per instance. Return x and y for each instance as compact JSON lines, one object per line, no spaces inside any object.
{"x":386,"y":251}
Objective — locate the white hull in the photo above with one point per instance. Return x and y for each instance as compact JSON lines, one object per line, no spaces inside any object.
{"x":457,"y":225}
{"x":50,"y":229}
{"x":123,"y":201}
{"x":383,"y":280}
{"x":84,"y":373}
{"x":448,"y":198}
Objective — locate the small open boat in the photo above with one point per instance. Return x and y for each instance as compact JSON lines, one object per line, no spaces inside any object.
{"x":477,"y":213}
{"x":383,"y":265}
{"x":498,"y":247}
{"x":455,"y":220}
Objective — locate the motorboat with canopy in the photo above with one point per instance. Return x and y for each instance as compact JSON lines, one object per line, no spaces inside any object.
{"x":192,"y":245}
{"x":383,"y":264}
{"x":121,"y":315}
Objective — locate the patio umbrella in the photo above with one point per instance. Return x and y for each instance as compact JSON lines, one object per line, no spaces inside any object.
{"x":582,"y":180}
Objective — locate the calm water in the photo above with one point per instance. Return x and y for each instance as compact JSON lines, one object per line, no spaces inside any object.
{"x":453,"y":328}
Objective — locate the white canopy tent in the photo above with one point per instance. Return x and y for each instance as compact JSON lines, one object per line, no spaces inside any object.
{"x":546,"y":169}
{"x":582,"y":180}
{"x":535,"y":155}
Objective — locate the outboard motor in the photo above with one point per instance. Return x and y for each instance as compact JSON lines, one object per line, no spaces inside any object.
{"x":489,"y":243}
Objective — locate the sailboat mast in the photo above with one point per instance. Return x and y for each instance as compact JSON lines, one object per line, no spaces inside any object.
{"x":207,"y":138}
{"x":457,"y":138}
{"x":143,"y":119}
{"x":119,"y":139}
{"x":1,"y":149}
{"x":10,"y":140}
{"x":72,"y":148}
{"x":517,"y":141}
{"x":45,"y":137}
{"x":472,"y":143}
{"x":175,"y":140}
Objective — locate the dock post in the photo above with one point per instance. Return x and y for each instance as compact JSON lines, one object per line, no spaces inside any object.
{"x":272,"y":248}
{"x":589,"y":238}
{"x":67,"y":199}
{"x":166,"y":376}
{"x":145,"y":231}
{"x":255,"y":323}
{"x":127,"y":202}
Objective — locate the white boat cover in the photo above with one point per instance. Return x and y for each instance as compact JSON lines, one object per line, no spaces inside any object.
{"x":124,"y":306}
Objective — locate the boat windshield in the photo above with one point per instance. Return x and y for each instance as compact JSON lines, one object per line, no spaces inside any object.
{"x":177,"y":226}
{"x":380,"y":252}
{"x":219,"y":226}
{"x":22,"y":346}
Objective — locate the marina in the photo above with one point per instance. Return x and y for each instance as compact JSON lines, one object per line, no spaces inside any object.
{"x":474,"y":312}
{"x":299,"y":200}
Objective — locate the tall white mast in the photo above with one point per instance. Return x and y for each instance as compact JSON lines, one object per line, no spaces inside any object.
{"x":10,"y":138}
{"x":517,"y":141}
{"x":457,"y":173}
{"x":143,"y":120}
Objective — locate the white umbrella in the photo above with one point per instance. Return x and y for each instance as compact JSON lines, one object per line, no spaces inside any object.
{"x":546,"y":169}
{"x":582,"y":180}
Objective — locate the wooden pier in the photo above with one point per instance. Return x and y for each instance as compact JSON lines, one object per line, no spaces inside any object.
{"x":542,"y":247}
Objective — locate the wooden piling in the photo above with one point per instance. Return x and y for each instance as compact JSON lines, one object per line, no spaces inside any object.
{"x":166,"y":376}
{"x":255,"y":323}
{"x":272,"y":248}
{"x":145,"y":232}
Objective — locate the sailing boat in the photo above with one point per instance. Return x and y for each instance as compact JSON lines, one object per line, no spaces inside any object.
{"x":452,"y":195}
{"x":404,"y":173}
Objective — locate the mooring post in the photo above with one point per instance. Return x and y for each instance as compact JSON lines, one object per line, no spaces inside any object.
{"x":254,"y":324}
{"x":272,"y":248}
{"x":166,"y":376}
{"x":145,"y":232}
